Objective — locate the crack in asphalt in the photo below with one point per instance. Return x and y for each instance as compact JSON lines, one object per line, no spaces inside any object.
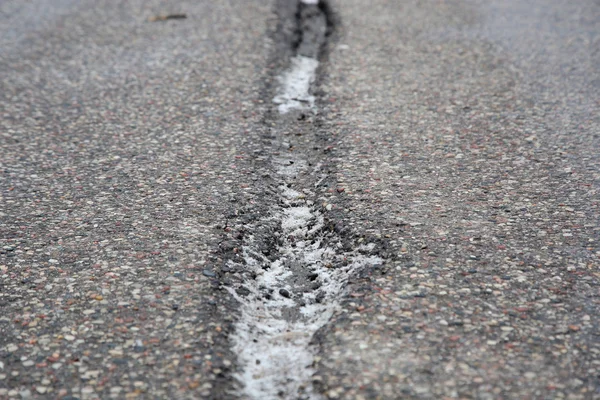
{"x":297,"y":271}
{"x":295,"y":264}
{"x":312,"y":26}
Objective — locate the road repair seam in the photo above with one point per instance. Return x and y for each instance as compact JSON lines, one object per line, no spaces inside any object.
{"x":295,"y":265}
{"x":294,"y":291}
{"x":312,"y":26}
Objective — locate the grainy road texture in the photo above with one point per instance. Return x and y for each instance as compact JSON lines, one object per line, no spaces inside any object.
{"x":458,"y":139}
{"x":122,"y":156}
{"x":468,"y":135}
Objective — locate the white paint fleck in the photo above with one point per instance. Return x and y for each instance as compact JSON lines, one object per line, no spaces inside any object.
{"x":294,"y":90}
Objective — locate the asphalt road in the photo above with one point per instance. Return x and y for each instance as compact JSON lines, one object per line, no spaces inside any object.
{"x":453,"y":145}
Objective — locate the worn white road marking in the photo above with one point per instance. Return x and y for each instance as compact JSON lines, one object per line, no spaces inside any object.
{"x":296,"y":270}
{"x":272,"y":337}
{"x":294,"y":89}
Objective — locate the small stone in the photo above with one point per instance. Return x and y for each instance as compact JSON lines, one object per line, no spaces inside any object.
{"x":87,"y":390}
{"x":284,"y":293}
{"x":209,"y":273}
{"x":574,"y":328}
{"x":333,"y":394}
{"x":140,"y":384}
{"x":530,"y":375}
{"x":41,"y":389}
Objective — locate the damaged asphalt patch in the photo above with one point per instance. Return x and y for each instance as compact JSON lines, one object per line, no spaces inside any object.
{"x":295,"y":266}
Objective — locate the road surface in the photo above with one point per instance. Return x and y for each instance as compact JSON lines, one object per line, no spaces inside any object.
{"x":299,"y":200}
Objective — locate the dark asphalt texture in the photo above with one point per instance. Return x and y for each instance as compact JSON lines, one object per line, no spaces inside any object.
{"x":467,"y":134}
{"x":461,"y":136}
{"x":123,"y":155}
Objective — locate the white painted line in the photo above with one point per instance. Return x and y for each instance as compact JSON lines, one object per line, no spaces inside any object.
{"x":294,"y":90}
{"x":273,"y":349}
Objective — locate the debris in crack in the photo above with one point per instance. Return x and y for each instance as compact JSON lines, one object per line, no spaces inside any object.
{"x":167,"y":17}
